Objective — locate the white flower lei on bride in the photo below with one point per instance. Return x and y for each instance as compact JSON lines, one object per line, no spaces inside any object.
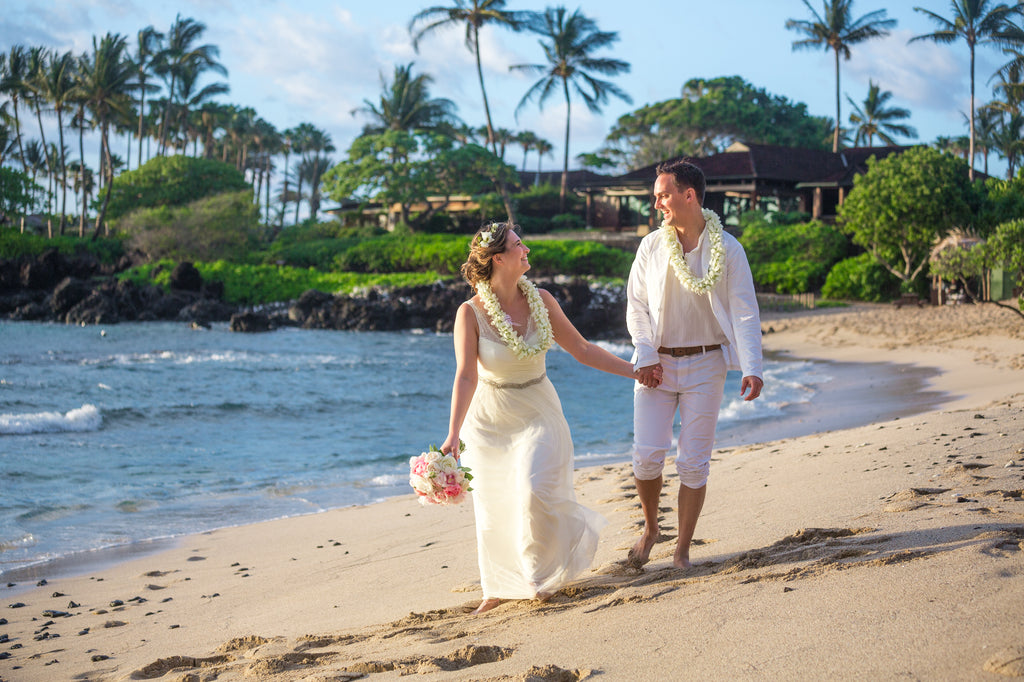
{"x":503,"y":323}
{"x":716,"y":259}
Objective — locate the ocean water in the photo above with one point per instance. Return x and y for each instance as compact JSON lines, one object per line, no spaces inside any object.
{"x":117,"y":435}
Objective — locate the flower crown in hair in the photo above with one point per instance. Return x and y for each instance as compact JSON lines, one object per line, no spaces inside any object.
{"x":487,"y":235}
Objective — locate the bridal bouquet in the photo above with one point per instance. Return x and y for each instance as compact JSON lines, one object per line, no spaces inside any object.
{"x":439,"y":478}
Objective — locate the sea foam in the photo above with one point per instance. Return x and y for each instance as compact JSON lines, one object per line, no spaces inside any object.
{"x":85,"y":418}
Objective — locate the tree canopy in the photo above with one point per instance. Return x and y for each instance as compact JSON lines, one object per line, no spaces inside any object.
{"x":904,"y":202}
{"x":707,"y":118}
{"x":172,"y":181}
{"x":399,"y":167}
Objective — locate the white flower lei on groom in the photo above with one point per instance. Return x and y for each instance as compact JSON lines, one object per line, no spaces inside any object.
{"x":716,"y":259}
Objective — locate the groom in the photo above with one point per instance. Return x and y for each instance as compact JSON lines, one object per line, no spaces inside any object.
{"x":692,"y":315}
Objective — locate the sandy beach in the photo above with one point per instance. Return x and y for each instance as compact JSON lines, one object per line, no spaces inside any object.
{"x":893,"y":550}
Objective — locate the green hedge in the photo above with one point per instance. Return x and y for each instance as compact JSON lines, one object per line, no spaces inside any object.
{"x":406,"y":253}
{"x":861,"y":278}
{"x":15,"y":244}
{"x":572,"y":257}
{"x":791,"y":259}
{"x":447,"y":253}
{"x":256,"y":284}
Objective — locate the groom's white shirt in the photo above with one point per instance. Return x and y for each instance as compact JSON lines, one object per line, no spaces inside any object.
{"x":732,"y":301}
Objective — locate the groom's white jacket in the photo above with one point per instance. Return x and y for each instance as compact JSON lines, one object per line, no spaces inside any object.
{"x":732,"y":300}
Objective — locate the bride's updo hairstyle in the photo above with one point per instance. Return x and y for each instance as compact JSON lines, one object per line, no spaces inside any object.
{"x":488,"y":241}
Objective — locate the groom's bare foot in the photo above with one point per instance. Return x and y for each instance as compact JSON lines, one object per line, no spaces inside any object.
{"x":486,"y":605}
{"x":640,"y":553}
{"x":681,"y":558}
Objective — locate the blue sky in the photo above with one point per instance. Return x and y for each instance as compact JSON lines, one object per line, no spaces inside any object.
{"x":316,"y":61}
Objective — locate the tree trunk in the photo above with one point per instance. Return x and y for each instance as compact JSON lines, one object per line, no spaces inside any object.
{"x":63,"y":172}
{"x":835,"y":135}
{"x":105,"y":145}
{"x":81,"y":156}
{"x":970,"y":167}
{"x":142,"y":119}
{"x":562,"y":195}
{"x":49,"y":170}
{"x":284,"y":194}
{"x":269,"y":175}
{"x":167,"y":112}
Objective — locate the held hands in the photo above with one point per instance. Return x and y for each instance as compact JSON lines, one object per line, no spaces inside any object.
{"x":649,"y":377}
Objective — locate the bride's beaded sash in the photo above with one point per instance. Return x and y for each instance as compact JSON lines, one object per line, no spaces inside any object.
{"x":525,"y":384}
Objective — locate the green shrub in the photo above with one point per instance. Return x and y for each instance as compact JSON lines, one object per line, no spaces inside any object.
{"x":861,"y":278}
{"x":313,"y":245}
{"x":15,"y":244}
{"x":407,"y":253}
{"x":221,"y":226}
{"x":572,"y":257}
{"x":257,"y":284}
{"x":791,"y":258}
{"x":568,"y":221}
{"x":172,"y":181}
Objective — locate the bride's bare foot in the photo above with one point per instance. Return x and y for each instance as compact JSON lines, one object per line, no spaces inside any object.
{"x":486,"y":605}
{"x":543,"y":597}
{"x":640,"y":553}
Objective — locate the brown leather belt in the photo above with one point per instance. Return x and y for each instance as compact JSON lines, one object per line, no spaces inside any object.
{"x":688,"y":350}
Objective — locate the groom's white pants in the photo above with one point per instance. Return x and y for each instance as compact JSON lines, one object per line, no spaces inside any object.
{"x":693,"y":385}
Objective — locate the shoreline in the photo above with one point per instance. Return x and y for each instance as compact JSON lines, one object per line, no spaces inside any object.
{"x":850,"y":404}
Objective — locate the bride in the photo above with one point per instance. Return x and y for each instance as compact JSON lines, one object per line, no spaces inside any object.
{"x":532,"y":535}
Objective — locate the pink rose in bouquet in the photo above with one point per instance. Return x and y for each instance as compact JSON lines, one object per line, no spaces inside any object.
{"x":438,"y":478}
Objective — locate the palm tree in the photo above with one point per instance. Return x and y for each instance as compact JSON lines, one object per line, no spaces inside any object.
{"x":405,"y":104}
{"x":288,"y":138}
{"x":1008,"y":141}
{"x":13,"y":79}
{"x":503,"y":137}
{"x":191,"y":97}
{"x":8,"y":141}
{"x":37,"y":59}
{"x":835,"y":29}
{"x":986,"y":127}
{"x":106,"y":81}
{"x":526,"y":139}
{"x":239,"y":130}
{"x":977,"y":22}
{"x":181,"y":53}
{"x":83,"y":179}
{"x":55,"y":85}
{"x":474,"y":14}
{"x":148,"y":54}
{"x":569,"y":41}
{"x":312,"y":169}
{"x":544,"y":148}
{"x":875,"y":119}
{"x":316,"y":145}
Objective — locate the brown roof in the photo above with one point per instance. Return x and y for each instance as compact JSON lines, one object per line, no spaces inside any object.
{"x":766,"y":162}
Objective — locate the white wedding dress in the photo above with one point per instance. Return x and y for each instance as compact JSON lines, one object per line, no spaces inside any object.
{"x":532,"y":535}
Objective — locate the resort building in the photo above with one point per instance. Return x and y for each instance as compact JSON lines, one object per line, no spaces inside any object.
{"x":745,"y":177}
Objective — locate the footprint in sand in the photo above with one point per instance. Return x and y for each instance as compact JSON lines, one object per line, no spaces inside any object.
{"x":1008,"y":661}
